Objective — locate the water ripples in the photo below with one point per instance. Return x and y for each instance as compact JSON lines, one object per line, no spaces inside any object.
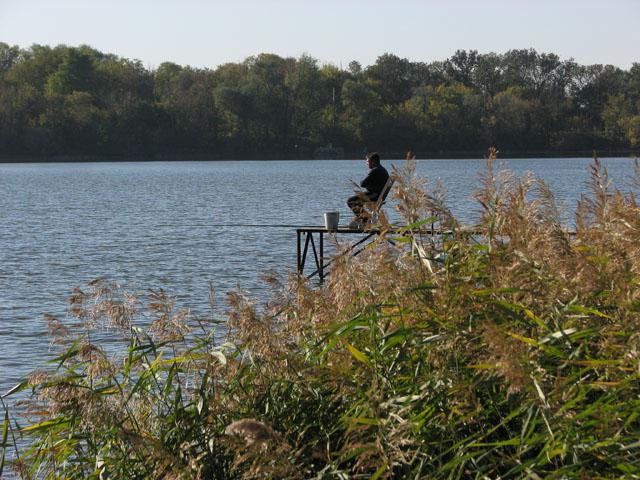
{"x":152,"y":225}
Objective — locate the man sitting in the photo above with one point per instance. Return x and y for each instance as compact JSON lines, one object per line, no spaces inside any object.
{"x":373,"y":184}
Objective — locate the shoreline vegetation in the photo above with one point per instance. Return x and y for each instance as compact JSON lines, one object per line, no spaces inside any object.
{"x":515,"y":354}
{"x":454,"y":155}
{"x":78,"y":102}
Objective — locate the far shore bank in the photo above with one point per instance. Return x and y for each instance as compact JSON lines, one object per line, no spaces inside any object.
{"x":178,"y":157}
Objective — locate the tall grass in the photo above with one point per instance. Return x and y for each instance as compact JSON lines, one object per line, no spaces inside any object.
{"x":511,"y":354}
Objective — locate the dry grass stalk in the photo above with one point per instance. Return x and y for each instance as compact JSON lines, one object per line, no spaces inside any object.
{"x":513,"y":354}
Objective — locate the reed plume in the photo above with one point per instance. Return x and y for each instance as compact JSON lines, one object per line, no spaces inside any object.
{"x":510,"y":349}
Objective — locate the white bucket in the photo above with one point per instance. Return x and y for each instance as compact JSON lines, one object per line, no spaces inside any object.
{"x":331,"y":220}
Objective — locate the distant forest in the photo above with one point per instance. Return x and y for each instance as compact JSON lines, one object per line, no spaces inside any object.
{"x":77,"y":101}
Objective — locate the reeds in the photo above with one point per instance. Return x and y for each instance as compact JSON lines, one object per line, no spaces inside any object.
{"x":510,"y":354}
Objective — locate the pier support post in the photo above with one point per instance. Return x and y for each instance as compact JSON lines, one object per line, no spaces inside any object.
{"x":321,"y":266}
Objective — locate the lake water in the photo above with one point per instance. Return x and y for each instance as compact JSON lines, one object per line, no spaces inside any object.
{"x":152,"y":225}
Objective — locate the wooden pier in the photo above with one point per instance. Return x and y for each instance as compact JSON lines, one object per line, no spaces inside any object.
{"x":314,"y":237}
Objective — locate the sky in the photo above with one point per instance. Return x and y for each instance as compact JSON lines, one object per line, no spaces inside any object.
{"x":209,"y":33}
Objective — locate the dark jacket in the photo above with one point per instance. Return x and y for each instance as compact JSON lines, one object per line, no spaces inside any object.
{"x":375,"y":182}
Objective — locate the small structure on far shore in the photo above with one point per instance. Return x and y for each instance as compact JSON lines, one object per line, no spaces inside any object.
{"x":328,"y":153}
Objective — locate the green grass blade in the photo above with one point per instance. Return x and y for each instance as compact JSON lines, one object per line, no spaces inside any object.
{"x":5,"y":440}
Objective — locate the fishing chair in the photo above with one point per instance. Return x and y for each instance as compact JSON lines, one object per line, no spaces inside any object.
{"x":377,"y":206}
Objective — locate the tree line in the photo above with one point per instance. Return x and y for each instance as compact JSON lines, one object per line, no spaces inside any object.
{"x":79,"y":101}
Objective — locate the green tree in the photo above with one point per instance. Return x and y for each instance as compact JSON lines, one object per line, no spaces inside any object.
{"x":362,"y":110}
{"x":75,"y":73}
{"x":461,"y":66}
{"x":331,"y":129}
{"x":487,"y":74}
{"x":597,"y":83}
{"x":510,"y":119}
{"x":455,"y":113}
{"x":190,"y":120}
{"x":631,"y":127}
{"x":392,"y":78}
{"x":309,"y":94}
{"x":9,"y":56}
{"x":77,"y":99}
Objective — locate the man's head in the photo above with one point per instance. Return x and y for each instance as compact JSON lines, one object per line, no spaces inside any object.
{"x":373,"y":159}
